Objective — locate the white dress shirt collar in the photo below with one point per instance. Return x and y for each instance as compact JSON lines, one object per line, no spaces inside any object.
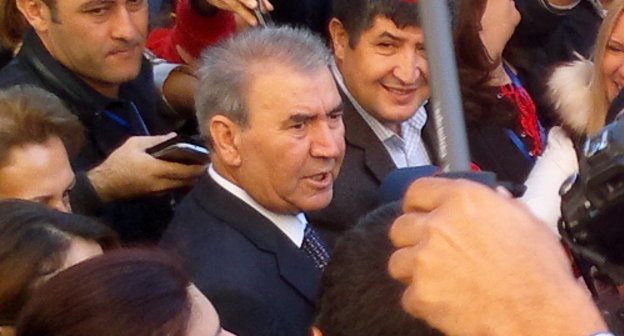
{"x":293,"y":226}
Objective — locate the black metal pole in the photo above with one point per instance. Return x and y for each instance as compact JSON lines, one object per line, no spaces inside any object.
{"x":448,"y":115}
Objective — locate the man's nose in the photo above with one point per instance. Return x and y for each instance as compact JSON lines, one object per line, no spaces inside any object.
{"x":408,"y":67}
{"x":124,"y":26}
{"x":327,"y":142}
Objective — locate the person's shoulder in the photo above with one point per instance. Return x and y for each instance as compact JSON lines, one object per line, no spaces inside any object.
{"x":192,"y":210}
{"x":18,"y":73}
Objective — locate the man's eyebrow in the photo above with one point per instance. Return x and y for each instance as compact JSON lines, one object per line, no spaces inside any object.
{"x":300,"y":117}
{"x":389,"y":35}
{"x":614,"y":41}
{"x":92,"y":3}
{"x":337,"y":108}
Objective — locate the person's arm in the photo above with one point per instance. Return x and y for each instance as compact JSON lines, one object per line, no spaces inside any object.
{"x":130,"y":172}
{"x":176,"y":83}
{"x":478,"y":263}
{"x":540,"y":18}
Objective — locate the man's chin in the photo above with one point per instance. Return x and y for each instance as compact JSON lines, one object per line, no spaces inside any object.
{"x":317,"y":202}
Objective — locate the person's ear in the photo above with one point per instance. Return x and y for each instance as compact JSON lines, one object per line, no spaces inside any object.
{"x":226,"y":136}
{"x":339,"y":39}
{"x":37,"y":13}
{"x":316,"y":331}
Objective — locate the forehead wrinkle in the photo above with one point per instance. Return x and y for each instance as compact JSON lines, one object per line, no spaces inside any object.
{"x":389,"y":29}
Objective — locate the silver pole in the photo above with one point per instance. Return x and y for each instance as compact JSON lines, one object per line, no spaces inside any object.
{"x":448,"y":115}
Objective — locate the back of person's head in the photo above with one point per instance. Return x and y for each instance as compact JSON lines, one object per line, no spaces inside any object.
{"x":31,"y":115}
{"x":357,"y":295}
{"x":229,"y":67}
{"x":357,"y":16}
{"x":124,"y":292}
{"x":34,"y":243}
{"x":469,"y":47}
{"x":480,"y":99}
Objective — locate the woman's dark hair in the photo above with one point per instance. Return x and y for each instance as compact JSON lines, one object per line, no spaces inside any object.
{"x":121,"y":293}
{"x":34,"y":241}
{"x":475,"y":66}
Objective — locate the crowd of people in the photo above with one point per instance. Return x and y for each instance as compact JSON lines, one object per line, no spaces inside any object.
{"x":307,"y":109}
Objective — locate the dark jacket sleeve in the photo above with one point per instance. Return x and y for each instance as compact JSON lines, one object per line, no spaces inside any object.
{"x":539,"y":19}
{"x":83,"y":198}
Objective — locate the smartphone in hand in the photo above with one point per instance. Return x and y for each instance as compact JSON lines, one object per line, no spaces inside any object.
{"x":181,"y":149}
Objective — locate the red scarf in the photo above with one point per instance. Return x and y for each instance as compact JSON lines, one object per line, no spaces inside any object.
{"x":529,"y":124}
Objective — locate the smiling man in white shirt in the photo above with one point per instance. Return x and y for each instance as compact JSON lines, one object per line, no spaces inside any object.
{"x":381,"y":68}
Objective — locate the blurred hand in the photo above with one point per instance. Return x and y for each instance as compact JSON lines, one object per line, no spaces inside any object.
{"x":187,"y":58}
{"x":478,"y":263}
{"x":244,"y":8}
{"x":130,"y":172}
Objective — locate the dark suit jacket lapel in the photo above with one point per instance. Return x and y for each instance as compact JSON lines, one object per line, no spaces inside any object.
{"x":359,"y":134}
{"x":294,"y":265}
{"x":429,"y":136}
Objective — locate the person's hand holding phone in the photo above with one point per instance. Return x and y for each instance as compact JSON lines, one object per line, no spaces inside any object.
{"x":130,"y":171}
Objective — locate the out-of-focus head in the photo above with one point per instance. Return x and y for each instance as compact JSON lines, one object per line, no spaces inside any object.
{"x":484,"y":27}
{"x":36,"y":242}
{"x":122,"y":293}
{"x":609,"y":62}
{"x":272,"y":113}
{"x":357,"y":295}
{"x":380,"y":52}
{"x":482,"y":30}
{"x":36,"y":134}
{"x":12,"y":25}
{"x":100,"y":41}
{"x":605,"y":3}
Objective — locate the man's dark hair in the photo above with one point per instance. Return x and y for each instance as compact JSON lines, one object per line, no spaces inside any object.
{"x":358,"y":15}
{"x":29,"y":115}
{"x":357,"y":295}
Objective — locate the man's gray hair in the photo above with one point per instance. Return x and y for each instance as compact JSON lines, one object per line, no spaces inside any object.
{"x":226,"y":70}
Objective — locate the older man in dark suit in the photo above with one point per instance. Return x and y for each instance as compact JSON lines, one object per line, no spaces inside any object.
{"x":273,"y":116}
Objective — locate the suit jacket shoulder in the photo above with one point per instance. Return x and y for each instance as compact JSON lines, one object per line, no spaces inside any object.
{"x":257,"y":279}
{"x":365,"y":165}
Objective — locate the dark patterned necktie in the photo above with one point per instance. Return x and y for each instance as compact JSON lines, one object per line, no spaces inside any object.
{"x":314,"y":247}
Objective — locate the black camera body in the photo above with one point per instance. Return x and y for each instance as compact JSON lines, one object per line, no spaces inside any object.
{"x":592,"y":204}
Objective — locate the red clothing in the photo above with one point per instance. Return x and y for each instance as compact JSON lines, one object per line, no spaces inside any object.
{"x":191,"y":31}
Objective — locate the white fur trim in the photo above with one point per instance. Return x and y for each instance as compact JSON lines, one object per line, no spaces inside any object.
{"x":568,"y":89}
{"x":550,"y":171}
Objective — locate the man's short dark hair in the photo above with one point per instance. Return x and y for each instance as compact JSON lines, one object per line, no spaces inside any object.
{"x":357,"y":295}
{"x":358,"y":15}
{"x":29,"y":115}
